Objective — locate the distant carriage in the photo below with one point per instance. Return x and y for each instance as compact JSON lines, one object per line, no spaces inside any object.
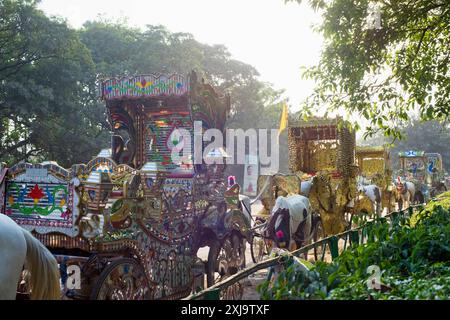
{"x":424,"y":171}
{"x":375,"y":172}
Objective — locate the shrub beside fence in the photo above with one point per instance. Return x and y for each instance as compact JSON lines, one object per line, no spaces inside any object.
{"x":330,"y":244}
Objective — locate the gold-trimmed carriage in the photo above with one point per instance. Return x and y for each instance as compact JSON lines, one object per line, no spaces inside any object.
{"x":133,"y":219}
{"x":375,"y":167}
{"x":322,"y":162}
{"x":324,"y":149}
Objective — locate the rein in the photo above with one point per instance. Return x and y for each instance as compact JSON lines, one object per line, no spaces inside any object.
{"x":263,"y":189}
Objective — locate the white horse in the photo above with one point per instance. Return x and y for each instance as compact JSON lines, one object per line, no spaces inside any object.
{"x":373,"y":192}
{"x":293,"y":221}
{"x":18,"y":248}
{"x":404,"y":193}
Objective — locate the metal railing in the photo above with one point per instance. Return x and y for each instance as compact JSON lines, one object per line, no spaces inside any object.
{"x":358,"y":235}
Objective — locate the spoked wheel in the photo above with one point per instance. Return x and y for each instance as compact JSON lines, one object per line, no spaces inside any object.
{"x":122,"y":279}
{"x":319,"y":234}
{"x":260,"y":248}
{"x":225,"y":259}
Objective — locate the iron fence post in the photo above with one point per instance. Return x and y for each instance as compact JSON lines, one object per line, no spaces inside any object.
{"x":213,"y":294}
{"x":354,"y":237}
{"x":334,"y":248}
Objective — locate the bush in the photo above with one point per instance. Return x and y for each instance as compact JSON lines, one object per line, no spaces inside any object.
{"x":413,"y":257}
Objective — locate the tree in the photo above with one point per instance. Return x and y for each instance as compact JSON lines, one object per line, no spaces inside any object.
{"x":118,"y":49}
{"x":48,"y":103}
{"x":50,"y":107}
{"x":384,"y":61}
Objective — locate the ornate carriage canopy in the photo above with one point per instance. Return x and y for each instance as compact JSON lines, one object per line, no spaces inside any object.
{"x":413,"y":165}
{"x":321,"y":144}
{"x":146,"y":111}
{"x":372,"y":160}
{"x":150,"y":116}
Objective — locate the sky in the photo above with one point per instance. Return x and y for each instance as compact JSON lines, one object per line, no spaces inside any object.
{"x":274,"y":37}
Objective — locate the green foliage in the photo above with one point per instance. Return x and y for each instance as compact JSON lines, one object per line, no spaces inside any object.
{"x":442,"y":200}
{"x":384,"y":74}
{"x":413,"y":259}
{"x":48,"y":105}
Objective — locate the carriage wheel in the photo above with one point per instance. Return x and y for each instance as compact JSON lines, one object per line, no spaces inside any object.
{"x":319,"y":234}
{"x":122,"y":279}
{"x":225,"y":259}
{"x":419,"y":198}
{"x":259,"y":248}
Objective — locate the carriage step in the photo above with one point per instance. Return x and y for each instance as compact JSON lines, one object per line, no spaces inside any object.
{"x":71,"y":294}
{"x":22,"y":296}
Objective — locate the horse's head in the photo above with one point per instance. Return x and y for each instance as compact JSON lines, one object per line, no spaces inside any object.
{"x":399,"y":184}
{"x":361,"y":189}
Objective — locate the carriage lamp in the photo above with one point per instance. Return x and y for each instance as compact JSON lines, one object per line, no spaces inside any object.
{"x":153,"y":175}
{"x":98,"y":187}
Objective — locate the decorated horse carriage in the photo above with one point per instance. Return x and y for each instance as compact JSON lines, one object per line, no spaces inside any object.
{"x":322,"y":162}
{"x":323,"y":150}
{"x":375,"y":170}
{"x":424,"y":171}
{"x":133,"y":218}
{"x":412,"y":173}
{"x":374,"y":164}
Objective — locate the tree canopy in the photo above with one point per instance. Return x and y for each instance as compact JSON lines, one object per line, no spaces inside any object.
{"x":47,"y":93}
{"x":49,"y":103}
{"x":384,"y":61}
